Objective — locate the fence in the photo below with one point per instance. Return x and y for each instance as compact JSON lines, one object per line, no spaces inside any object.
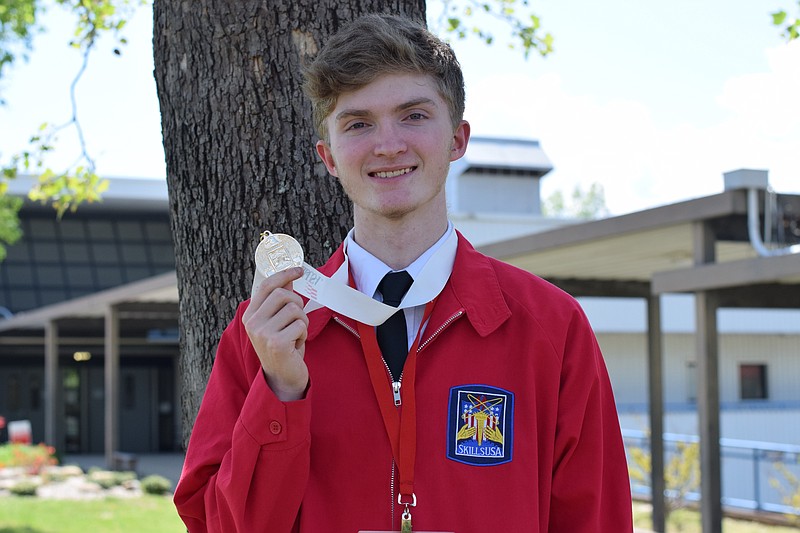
{"x":756,"y":476}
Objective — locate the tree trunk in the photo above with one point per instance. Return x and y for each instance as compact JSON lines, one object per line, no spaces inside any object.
{"x":239,"y":144}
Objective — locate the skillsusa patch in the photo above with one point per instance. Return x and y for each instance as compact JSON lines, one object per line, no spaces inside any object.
{"x":480,"y":425}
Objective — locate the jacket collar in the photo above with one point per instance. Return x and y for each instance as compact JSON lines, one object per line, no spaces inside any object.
{"x":473,"y":288}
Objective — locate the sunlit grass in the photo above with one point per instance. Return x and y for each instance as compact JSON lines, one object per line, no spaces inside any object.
{"x":688,"y":521}
{"x":147,"y":514}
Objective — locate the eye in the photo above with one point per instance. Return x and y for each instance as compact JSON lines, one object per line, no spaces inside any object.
{"x":356,"y":126}
{"x":416,"y":115}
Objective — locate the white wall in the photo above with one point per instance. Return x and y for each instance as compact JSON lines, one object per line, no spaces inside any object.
{"x":776,"y":419}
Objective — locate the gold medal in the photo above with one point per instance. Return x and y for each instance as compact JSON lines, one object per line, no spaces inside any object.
{"x":276,"y":252}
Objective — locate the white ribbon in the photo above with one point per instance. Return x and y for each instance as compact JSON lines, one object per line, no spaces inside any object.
{"x":336,"y":294}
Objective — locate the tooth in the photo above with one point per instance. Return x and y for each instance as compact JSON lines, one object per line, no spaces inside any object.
{"x":392,"y":174}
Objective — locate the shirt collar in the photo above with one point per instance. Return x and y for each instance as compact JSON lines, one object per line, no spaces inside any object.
{"x":368,"y":270}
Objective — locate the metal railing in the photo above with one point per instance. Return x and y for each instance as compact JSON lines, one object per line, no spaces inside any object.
{"x":754,"y":473}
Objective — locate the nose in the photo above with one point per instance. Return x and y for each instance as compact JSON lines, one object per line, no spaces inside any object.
{"x":389,"y":141}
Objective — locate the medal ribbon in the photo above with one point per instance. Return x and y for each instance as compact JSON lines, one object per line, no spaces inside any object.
{"x":400,"y":423}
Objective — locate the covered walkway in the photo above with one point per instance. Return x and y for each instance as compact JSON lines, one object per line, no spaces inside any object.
{"x":710,"y":247}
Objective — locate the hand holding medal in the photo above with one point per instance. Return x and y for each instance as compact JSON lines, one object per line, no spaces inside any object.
{"x":274,"y":320}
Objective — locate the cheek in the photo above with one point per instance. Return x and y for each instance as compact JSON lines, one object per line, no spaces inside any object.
{"x":347,"y":157}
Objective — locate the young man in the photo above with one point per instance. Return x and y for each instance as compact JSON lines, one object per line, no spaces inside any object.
{"x":499,"y":418}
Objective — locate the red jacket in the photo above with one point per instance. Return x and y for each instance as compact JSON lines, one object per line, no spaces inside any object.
{"x":549,"y":459}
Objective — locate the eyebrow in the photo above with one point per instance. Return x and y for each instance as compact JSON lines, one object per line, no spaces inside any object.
{"x":349,"y":113}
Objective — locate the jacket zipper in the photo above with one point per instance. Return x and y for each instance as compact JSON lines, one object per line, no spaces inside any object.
{"x":440,"y":329}
{"x":396,"y":385}
{"x":396,"y":395}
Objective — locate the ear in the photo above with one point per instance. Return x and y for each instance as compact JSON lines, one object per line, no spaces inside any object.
{"x":460,"y":140}
{"x":325,"y":153}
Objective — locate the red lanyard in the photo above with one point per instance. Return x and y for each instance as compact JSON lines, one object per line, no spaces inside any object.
{"x":400,"y":423}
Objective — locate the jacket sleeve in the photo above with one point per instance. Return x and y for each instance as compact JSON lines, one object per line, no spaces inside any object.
{"x":247,"y":462}
{"x":590,"y":486}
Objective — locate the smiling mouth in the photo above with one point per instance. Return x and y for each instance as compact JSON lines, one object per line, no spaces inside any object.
{"x":392,"y":173}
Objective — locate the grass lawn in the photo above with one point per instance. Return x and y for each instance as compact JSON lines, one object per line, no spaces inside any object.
{"x":686,"y":521}
{"x":148,"y":514}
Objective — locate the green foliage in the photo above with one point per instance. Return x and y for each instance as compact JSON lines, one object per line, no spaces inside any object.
{"x":65,"y":189}
{"x":790,"y":26}
{"x":681,"y":473}
{"x":588,"y":205}
{"x":156,"y":485}
{"x":17,"y":25}
{"x":789,"y":488}
{"x":99,"y":16}
{"x":24,"y":488}
{"x":524,"y":25}
{"x":28,"y":456}
{"x":109,"y":478}
{"x":9,"y":219}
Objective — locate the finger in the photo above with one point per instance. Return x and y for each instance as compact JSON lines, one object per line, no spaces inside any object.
{"x":286,"y":313}
{"x":282,"y":279}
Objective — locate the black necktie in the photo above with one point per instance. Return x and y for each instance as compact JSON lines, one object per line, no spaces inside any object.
{"x":392,"y":334}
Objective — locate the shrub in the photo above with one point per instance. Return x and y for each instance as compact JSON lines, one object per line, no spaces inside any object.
{"x":24,"y":488}
{"x":28,"y":456}
{"x":108,"y":478}
{"x":157,"y":485}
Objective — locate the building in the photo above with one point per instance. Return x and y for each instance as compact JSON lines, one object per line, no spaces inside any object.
{"x":91,"y":306}
{"x":51,"y":283}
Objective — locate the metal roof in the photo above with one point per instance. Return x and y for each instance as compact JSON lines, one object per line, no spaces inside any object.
{"x":509,"y":154}
{"x":150,"y":295}
{"x":650,"y":251}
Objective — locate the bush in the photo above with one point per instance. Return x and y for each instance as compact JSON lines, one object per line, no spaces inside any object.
{"x":107,"y":478}
{"x":24,"y":488}
{"x":28,"y":456}
{"x":158,"y":485}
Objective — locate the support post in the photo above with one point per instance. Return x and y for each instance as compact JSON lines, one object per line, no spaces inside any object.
{"x":111,"y":380}
{"x":708,"y":412}
{"x":51,"y":385}
{"x":707,"y":347}
{"x":656,"y":408}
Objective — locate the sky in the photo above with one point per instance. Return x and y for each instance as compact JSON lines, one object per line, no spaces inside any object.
{"x":653,"y":100}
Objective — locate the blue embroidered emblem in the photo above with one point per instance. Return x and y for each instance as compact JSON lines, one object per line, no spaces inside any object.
{"x":480,"y":425}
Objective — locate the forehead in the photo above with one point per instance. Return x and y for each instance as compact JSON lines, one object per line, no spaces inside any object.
{"x":388,"y":92}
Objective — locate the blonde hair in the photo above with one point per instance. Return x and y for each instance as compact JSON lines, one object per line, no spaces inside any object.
{"x":375,"y":45}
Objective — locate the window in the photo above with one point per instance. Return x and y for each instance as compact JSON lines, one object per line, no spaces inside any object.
{"x":753,"y":382}
{"x":129,"y":391}
{"x":691,"y":382}
{"x":12,"y":395}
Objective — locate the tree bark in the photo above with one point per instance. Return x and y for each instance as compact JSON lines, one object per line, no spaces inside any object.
{"x":239,"y":144}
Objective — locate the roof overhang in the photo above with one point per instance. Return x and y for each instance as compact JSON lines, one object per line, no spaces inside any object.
{"x":150,"y":296}
{"x":653,"y":251}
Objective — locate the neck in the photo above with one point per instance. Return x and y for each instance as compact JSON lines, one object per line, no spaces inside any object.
{"x":400,"y":243}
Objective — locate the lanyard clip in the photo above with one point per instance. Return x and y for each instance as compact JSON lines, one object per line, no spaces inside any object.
{"x":412,"y":503}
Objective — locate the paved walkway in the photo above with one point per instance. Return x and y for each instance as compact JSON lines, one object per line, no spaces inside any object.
{"x":164,"y":464}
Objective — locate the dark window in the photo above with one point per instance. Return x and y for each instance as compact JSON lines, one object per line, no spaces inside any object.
{"x":81,"y":254}
{"x":80,"y":276}
{"x":129,"y":391}
{"x":13,"y":397}
{"x":36,"y":393}
{"x":100,"y":230}
{"x":753,"y":382}
{"x":73,"y":230}
{"x":130,"y":231}
{"x":19,"y":275}
{"x":76,"y":251}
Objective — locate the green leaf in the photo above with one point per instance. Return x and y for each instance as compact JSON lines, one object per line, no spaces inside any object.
{"x":778,"y":17}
